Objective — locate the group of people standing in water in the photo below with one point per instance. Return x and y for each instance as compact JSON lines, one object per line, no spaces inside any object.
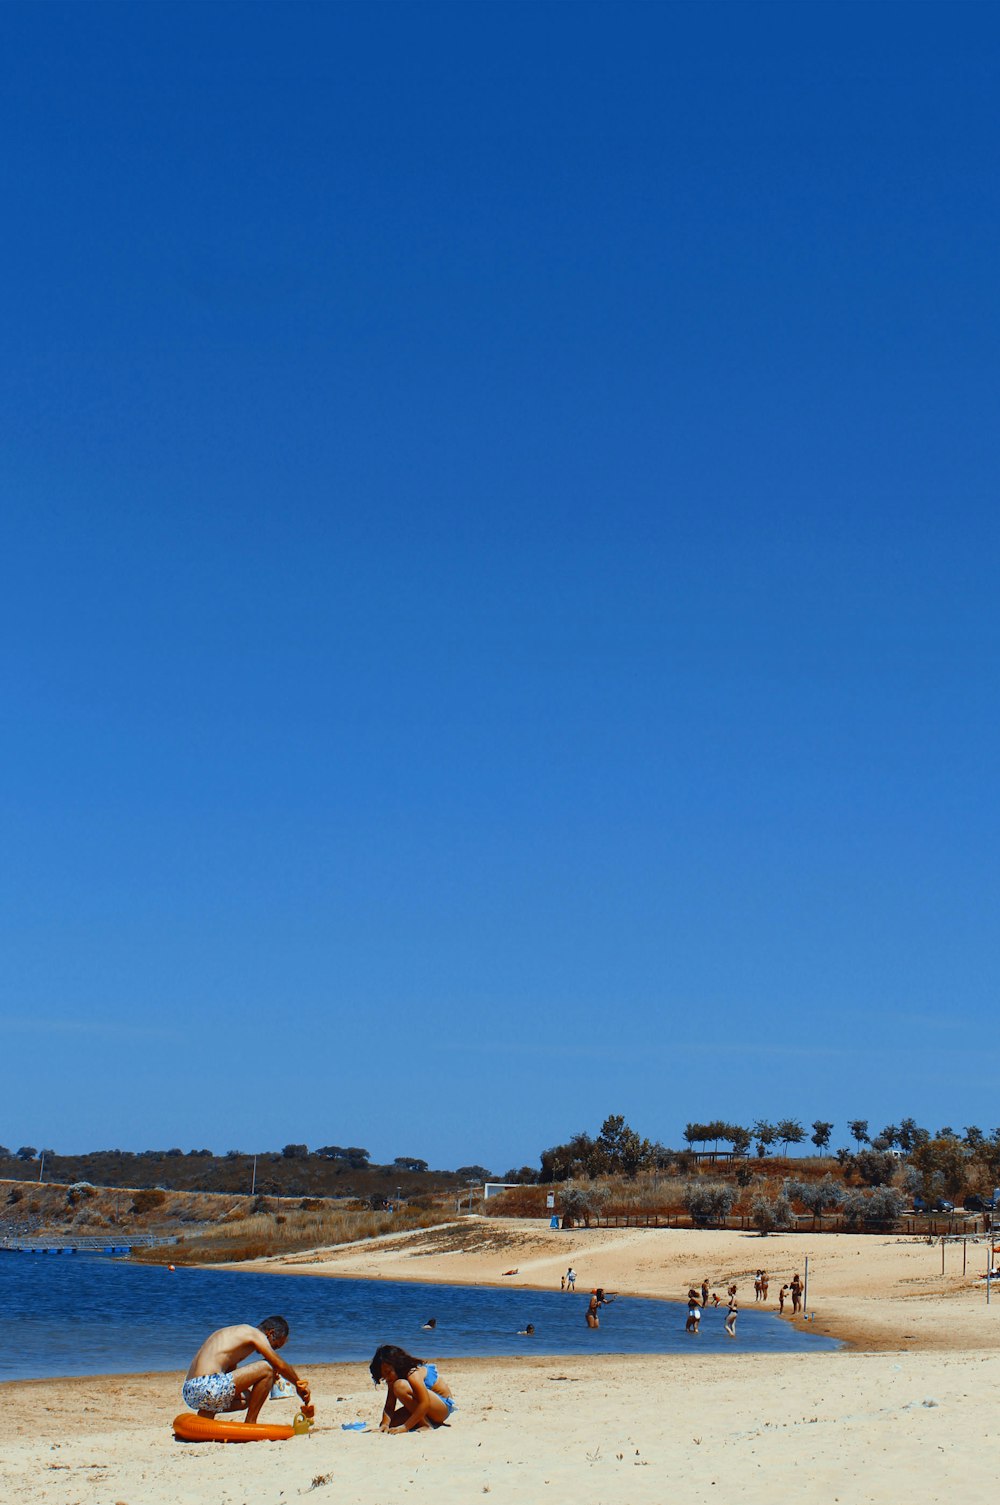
{"x":698,"y":1300}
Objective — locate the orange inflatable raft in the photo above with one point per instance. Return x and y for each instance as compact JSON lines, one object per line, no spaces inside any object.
{"x":189,"y":1427}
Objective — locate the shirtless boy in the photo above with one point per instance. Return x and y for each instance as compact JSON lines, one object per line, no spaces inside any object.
{"x":215,"y":1382}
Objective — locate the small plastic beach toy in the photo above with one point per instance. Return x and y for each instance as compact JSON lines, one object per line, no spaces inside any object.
{"x":353,"y":1426}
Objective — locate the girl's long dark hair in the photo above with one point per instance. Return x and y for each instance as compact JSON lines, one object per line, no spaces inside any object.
{"x":396,"y":1358}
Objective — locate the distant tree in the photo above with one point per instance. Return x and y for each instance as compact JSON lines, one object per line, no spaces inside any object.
{"x":942,"y":1165}
{"x":739,"y":1138}
{"x":765,"y":1134}
{"x":410,"y":1163}
{"x":473,"y":1173}
{"x":295,"y":1151}
{"x":581,"y":1201}
{"x":235,"y":1155}
{"x":859,"y":1129}
{"x":974,"y":1137}
{"x":173,"y":1154}
{"x":878,"y":1208}
{"x":619,"y":1150}
{"x":332,"y":1152}
{"x":821,"y":1133}
{"x":4,"y":1152}
{"x":709,"y":1201}
{"x":789,"y":1131}
{"x":816,"y":1197}
{"x":563,"y":1161}
{"x":910,"y":1135}
{"x":946,"y":1133}
{"x":890,"y":1134}
{"x":874,"y":1167}
{"x":770,"y":1213}
{"x":523,"y":1177}
{"x":696,"y":1134}
{"x":27,"y":1152}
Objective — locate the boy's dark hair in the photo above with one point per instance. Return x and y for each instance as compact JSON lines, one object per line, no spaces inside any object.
{"x":396,"y":1358}
{"x":274,"y":1327}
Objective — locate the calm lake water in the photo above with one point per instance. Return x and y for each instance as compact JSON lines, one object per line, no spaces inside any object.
{"x":70,"y":1315}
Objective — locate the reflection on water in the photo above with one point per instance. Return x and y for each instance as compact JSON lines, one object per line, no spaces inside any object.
{"x":73,"y":1315}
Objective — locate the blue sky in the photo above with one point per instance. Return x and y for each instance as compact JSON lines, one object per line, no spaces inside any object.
{"x":498,"y":569}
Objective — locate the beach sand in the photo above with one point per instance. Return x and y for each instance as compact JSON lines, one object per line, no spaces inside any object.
{"x":905,"y":1413}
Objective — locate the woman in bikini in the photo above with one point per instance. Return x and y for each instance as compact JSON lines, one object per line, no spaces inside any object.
{"x":597,"y":1300}
{"x":416,"y":1397}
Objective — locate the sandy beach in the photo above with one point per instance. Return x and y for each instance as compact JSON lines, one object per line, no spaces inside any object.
{"x":904,"y":1411}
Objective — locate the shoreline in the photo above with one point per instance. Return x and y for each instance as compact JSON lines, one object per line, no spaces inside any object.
{"x":889,"y":1413}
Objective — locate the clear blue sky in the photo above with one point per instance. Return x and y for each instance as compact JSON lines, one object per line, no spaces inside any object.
{"x":498,"y":571}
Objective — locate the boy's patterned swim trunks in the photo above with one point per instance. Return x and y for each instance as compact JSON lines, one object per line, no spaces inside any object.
{"x":209,"y":1392}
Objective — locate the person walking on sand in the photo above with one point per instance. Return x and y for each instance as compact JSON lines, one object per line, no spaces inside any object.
{"x":417,"y":1398}
{"x":571,"y":1279}
{"x":597,"y":1300}
{"x":763,"y":1285}
{"x":562,"y":1282}
{"x":782,"y":1297}
{"x":215,"y":1383}
{"x":732,"y":1309}
{"x":796,"y":1289}
{"x":692,"y":1325}
{"x":756,"y":1286}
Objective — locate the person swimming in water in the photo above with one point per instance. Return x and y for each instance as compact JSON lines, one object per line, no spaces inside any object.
{"x":416,"y":1396}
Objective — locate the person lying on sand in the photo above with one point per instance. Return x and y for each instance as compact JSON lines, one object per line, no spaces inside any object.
{"x":214,"y":1383}
{"x":416,"y":1397}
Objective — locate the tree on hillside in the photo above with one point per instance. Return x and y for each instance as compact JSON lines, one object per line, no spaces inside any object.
{"x":888,"y":1139}
{"x":581,"y":1201}
{"x":974,"y":1137}
{"x":619,"y":1150}
{"x":816,"y":1197}
{"x":874,"y":1167}
{"x":765,"y":1135}
{"x":27,"y":1152}
{"x":910,"y":1135}
{"x":696,"y":1134}
{"x":410,"y":1163}
{"x":769,"y":1214}
{"x":789,"y":1131}
{"x":562,"y":1161}
{"x":709,"y":1201}
{"x":526,"y":1176}
{"x":859,"y":1129}
{"x":474,"y":1173}
{"x":821,"y":1133}
{"x":739,"y":1138}
{"x":878,"y":1208}
{"x":941,"y":1164}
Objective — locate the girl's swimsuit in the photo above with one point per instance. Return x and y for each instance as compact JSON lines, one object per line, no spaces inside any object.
{"x":431,"y":1379}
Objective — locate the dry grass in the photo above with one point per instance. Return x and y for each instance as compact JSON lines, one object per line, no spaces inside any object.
{"x":263,"y":1234}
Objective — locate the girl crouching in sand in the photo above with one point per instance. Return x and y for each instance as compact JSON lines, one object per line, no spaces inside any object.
{"x":416,"y":1397}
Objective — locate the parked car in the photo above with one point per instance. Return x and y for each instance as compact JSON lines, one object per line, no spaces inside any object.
{"x":943,"y":1205}
{"x":920,"y":1204}
{"x":976,"y":1203}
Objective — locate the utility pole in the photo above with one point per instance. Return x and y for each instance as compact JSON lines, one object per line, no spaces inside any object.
{"x":41,"y":1166}
{"x":253,"y":1182}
